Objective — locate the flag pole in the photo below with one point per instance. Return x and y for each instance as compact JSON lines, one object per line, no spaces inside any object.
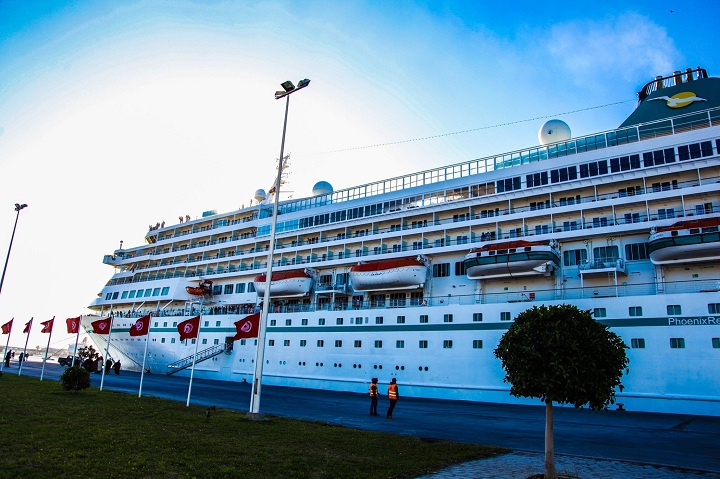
{"x":142,"y":373}
{"x":107,"y":351}
{"x":25,"y":350}
{"x":77,"y":338}
{"x":7,"y":348}
{"x":197,"y":342}
{"x":47,"y":348}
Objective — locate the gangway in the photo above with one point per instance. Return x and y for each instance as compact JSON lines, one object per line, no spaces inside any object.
{"x":201,"y":356}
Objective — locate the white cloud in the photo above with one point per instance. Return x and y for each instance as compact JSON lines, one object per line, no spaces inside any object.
{"x":625,"y":46}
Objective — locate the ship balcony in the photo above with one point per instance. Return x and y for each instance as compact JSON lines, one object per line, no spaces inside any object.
{"x":603,"y":267}
{"x":327,"y":288}
{"x":114,"y":259}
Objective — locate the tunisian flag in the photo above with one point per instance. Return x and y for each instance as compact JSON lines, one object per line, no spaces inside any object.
{"x":141,"y":326}
{"x":28,"y":325}
{"x":7,"y":327}
{"x":73,"y":324}
{"x":47,"y":326}
{"x":188,"y":329}
{"x":247,"y":327}
{"x":102,"y":326}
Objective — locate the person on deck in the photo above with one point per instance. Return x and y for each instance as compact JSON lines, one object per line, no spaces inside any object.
{"x":374,"y":393}
{"x":393,"y":395}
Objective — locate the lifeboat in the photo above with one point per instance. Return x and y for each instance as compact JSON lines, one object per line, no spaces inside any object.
{"x":391,"y":274}
{"x":513,"y":258}
{"x":685,"y":241}
{"x":285,"y":283}
{"x":204,"y":288}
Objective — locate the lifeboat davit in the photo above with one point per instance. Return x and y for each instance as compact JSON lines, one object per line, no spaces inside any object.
{"x":285,"y":284}
{"x":391,"y":274}
{"x":204,"y":288}
{"x":685,"y":241}
{"x":513,"y":258}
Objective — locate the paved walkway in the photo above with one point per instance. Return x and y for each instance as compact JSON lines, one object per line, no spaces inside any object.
{"x":521,"y":465}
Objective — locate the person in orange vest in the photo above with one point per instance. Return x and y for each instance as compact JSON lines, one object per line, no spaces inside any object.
{"x":374,"y":393}
{"x":393,"y":395}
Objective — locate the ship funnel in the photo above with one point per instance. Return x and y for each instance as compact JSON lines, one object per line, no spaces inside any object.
{"x":677,"y":76}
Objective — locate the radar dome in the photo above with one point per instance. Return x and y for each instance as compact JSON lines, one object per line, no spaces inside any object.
{"x":322,"y":188}
{"x":553,"y":131}
{"x":260,"y":195}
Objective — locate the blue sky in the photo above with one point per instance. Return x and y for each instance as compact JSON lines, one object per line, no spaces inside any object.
{"x":117,"y":115}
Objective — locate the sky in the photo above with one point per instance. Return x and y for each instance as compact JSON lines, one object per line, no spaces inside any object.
{"x":118,"y":115}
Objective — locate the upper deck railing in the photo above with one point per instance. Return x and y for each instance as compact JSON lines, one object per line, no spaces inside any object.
{"x":631,"y":134}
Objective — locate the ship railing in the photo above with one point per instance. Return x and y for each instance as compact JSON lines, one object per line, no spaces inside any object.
{"x":201,"y":356}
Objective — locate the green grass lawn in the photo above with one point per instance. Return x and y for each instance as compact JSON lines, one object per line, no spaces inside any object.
{"x":47,"y":432}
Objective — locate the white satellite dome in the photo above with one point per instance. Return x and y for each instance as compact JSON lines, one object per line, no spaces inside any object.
{"x":322,"y":188}
{"x":260,"y":195}
{"x":553,"y":131}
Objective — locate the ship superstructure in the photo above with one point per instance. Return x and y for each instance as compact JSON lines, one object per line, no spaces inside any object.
{"x":417,"y":277}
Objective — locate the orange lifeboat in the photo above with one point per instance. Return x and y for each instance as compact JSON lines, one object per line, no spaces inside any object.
{"x":285,"y":283}
{"x":512,"y":258}
{"x":391,"y":274}
{"x":202,"y":289}
{"x":686,"y":241}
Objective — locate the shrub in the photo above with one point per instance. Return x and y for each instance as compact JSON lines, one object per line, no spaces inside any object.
{"x":75,"y":379}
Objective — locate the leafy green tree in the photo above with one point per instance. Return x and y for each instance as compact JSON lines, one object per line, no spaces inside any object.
{"x":88,"y":352}
{"x":561,"y":354}
{"x":75,"y":378}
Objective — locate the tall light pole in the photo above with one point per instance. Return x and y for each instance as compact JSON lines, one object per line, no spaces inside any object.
{"x":18,"y":207}
{"x":254,"y":412}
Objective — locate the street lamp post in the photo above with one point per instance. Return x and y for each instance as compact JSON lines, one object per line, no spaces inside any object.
{"x":18,"y":207}
{"x":254,"y":412}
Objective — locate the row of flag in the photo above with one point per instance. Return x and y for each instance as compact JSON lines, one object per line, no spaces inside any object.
{"x":188,"y":329}
{"x":247,"y":327}
{"x":73,"y":326}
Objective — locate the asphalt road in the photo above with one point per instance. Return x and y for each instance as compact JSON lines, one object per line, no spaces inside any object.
{"x":686,"y":441}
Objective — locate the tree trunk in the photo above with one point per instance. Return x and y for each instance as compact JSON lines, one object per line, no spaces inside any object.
{"x":550,"y":471}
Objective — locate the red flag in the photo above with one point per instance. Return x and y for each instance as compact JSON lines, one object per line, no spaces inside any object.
{"x":28,"y":325}
{"x":247,"y":327}
{"x":102,"y":326}
{"x":73,"y":324}
{"x":7,"y":327}
{"x":141,"y":326}
{"x":48,"y":325}
{"x":188,"y":329}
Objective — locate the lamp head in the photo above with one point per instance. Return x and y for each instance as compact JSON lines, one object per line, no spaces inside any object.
{"x":303,"y":83}
{"x":288,"y":86}
{"x":18,"y":206}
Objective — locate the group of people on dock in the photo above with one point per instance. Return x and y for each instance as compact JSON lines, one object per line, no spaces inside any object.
{"x":11,"y":355}
{"x":393,"y":393}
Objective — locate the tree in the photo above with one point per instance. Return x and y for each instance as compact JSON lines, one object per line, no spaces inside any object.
{"x":561,"y":354}
{"x":89,"y":357}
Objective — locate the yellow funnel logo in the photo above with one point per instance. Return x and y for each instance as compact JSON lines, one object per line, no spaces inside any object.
{"x":679,"y":100}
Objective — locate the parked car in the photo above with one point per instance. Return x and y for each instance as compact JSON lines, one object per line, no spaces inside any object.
{"x":67,"y":361}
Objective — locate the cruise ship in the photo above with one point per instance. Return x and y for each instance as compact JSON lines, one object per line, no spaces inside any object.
{"x":417,"y":277}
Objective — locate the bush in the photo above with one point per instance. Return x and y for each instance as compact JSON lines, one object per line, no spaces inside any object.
{"x":75,"y":378}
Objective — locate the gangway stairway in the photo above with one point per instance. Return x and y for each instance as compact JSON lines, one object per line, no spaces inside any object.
{"x":201,"y":356}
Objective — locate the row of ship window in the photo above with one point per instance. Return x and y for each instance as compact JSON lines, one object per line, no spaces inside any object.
{"x":635,"y":343}
{"x":633,"y":311}
{"x":559,"y":175}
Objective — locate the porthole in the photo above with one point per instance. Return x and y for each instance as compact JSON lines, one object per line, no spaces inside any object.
{"x":420,"y":368}
{"x":402,"y":368}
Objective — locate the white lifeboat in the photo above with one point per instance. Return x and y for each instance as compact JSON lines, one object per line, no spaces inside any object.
{"x":285,"y":283}
{"x":685,"y":241}
{"x":513,"y":258}
{"x":391,"y":274}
